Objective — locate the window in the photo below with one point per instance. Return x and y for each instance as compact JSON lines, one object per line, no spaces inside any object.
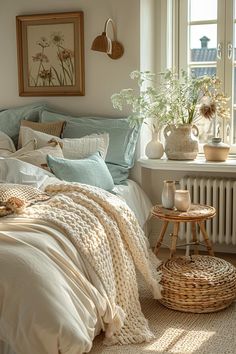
{"x":205,"y":43}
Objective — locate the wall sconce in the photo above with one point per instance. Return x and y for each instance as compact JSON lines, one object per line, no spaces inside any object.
{"x":103,"y":43}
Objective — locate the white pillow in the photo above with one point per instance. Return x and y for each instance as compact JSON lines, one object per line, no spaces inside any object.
{"x":20,"y":172}
{"x":31,"y":145}
{"x":39,"y":157}
{"x":72,"y":148}
{"x":6,"y":145}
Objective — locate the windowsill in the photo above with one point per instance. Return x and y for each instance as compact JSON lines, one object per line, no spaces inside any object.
{"x":200,"y":164}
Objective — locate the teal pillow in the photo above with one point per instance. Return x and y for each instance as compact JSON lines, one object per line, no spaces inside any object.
{"x":91,"y":170}
{"x":10,"y":118}
{"x":122,"y":139}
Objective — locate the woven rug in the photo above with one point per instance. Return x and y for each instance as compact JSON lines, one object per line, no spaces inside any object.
{"x":179,"y":333}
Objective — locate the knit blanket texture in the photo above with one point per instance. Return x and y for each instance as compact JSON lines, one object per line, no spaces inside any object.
{"x":105,"y":231}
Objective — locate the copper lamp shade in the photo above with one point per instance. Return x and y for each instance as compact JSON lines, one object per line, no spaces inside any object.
{"x":103,"y":43}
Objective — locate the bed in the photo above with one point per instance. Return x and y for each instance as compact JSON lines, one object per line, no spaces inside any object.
{"x":69,"y":252}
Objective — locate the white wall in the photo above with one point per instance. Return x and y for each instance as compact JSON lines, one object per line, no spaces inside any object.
{"x":103,"y":76}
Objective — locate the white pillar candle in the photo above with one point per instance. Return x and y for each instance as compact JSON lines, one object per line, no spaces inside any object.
{"x":182,"y":200}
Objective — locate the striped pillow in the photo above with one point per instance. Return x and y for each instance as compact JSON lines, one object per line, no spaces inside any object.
{"x":71,"y":148}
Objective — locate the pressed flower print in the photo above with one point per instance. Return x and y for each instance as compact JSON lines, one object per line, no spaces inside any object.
{"x":51,"y":55}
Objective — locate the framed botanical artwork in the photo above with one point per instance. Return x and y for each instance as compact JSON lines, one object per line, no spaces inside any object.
{"x":50,"y":51}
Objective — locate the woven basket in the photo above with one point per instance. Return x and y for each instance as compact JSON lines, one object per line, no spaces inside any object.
{"x":198,"y":284}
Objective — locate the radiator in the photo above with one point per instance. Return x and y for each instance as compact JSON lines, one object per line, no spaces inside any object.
{"x":217,"y":192}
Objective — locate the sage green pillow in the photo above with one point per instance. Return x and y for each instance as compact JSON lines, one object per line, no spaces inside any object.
{"x":91,"y":170}
{"x":122,"y":139}
{"x":10,"y":118}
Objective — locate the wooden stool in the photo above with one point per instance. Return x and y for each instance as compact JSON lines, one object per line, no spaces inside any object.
{"x":196,"y":214}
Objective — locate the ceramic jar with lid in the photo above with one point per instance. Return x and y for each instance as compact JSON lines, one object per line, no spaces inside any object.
{"x":216,"y":150}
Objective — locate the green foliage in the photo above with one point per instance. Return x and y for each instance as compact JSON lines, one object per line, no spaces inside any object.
{"x":169,"y":98}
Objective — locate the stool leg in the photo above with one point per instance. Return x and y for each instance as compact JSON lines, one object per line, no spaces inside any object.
{"x":195,"y":240}
{"x":174,"y":239}
{"x":206,"y":238}
{"x":161,"y":236}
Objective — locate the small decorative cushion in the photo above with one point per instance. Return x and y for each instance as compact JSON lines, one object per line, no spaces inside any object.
{"x":72,"y":148}
{"x":92,"y":171}
{"x":10,"y":118}
{"x":123,"y":138}
{"x":6,"y":145}
{"x":53,"y":128}
{"x":39,"y":157}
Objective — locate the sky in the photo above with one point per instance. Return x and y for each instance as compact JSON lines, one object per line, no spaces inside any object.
{"x":201,"y":10}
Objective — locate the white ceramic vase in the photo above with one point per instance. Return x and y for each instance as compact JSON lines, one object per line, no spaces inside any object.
{"x":168,"y":194}
{"x":154,"y":149}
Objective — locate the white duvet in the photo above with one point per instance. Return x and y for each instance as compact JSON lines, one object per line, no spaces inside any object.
{"x":50,"y":299}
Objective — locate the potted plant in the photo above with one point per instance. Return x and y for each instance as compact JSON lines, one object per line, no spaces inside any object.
{"x":175,"y":102}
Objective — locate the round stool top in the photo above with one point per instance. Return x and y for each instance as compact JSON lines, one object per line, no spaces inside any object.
{"x":195,"y":213}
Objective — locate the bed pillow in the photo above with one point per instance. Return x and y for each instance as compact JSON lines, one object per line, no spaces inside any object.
{"x":53,"y":128}
{"x":39,"y":157}
{"x":30,"y":146}
{"x":10,"y":118}
{"x":91,"y":170}
{"x":123,"y":138}
{"x":7,"y":146}
{"x":72,"y":148}
{"x":16,"y":171}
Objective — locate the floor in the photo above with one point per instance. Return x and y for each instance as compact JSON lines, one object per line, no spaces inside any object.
{"x":180,"y":332}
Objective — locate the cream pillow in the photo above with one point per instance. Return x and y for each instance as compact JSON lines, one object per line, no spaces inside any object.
{"x":72,"y":148}
{"x":39,"y":157}
{"x":52,"y":128}
{"x":7,"y":146}
{"x":29,"y":146}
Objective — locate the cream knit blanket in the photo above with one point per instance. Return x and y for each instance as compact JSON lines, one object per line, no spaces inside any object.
{"x":106,"y":232}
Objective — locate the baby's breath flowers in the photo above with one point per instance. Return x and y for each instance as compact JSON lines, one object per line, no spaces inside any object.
{"x":173,"y":98}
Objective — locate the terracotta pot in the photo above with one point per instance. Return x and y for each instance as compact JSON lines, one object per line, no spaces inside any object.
{"x":216,"y":150}
{"x":181,"y":142}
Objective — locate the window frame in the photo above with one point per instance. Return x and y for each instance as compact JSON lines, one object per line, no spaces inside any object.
{"x":224,"y":66}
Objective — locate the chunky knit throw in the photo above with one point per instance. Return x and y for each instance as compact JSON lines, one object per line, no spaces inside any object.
{"x":106,"y":232}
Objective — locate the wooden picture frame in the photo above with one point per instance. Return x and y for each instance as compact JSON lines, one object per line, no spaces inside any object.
{"x":50,"y":49}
